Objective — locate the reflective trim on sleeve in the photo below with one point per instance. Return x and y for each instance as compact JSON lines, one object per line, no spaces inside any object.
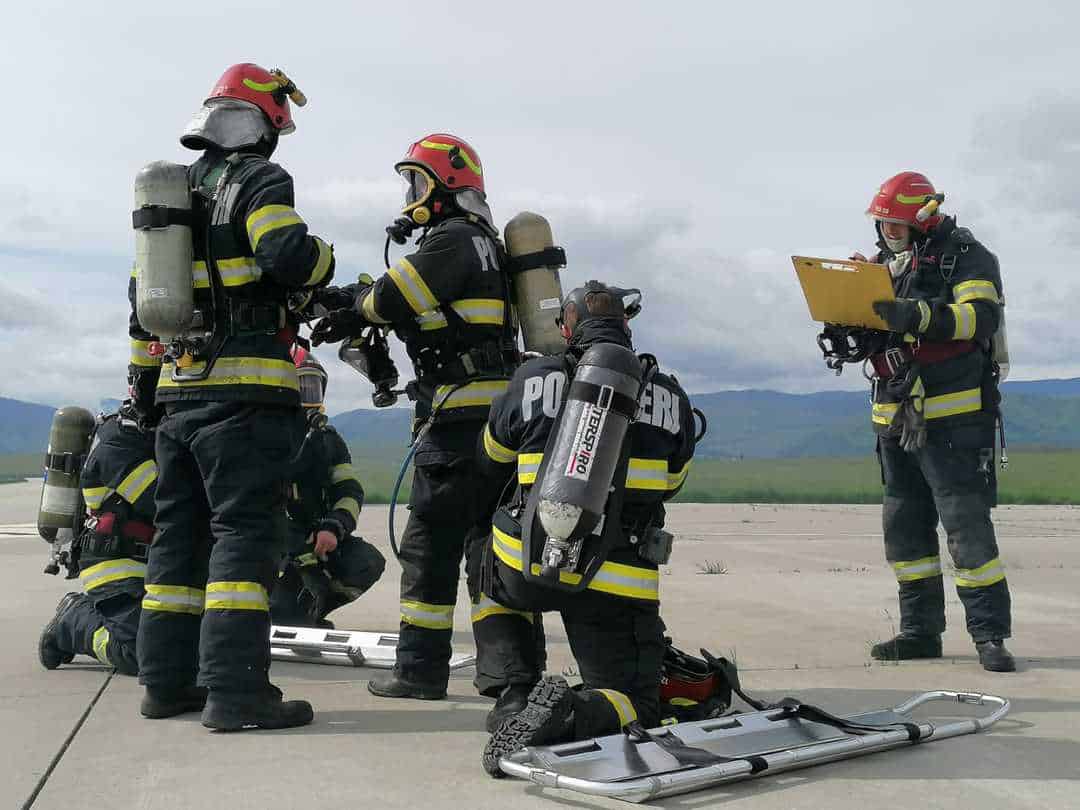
{"x":136,"y":481}
{"x":431,"y":320}
{"x":342,"y":472}
{"x":236,"y":596}
{"x":100,"y":643}
{"x":487,"y":311}
{"x":238,"y":371}
{"x":981,"y":577}
{"x":95,"y":496}
{"x":140,"y":354}
{"x":474,"y":394}
{"x":913,"y":570}
{"x":174,"y":599}
{"x":964,"y":315}
{"x":414,"y":289}
{"x":111,"y":571}
{"x":976,"y":290}
{"x":967,"y":401}
{"x":528,"y":464}
{"x":322,"y":265}
{"x":677,"y":479}
{"x":486,"y":606}
{"x":349,"y":505}
{"x":497,"y":452}
{"x":269,"y":218}
{"x":924,"y":316}
{"x":647,"y":473}
{"x":621,"y":704}
{"x":429,"y":616}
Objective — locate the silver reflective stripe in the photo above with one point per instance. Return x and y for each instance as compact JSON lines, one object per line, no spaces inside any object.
{"x":936,"y":407}
{"x":621,"y":582}
{"x":137,"y":481}
{"x":111,"y":571}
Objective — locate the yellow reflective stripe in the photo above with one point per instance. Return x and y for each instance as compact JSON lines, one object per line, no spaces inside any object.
{"x":261,"y":87}
{"x":100,"y":643}
{"x":349,"y":505}
{"x":677,"y":479}
{"x":647,"y":473}
{"x":622,"y":705}
{"x":967,"y":401}
{"x":446,"y":147}
{"x":964,"y":315}
{"x":883,"y":412}
{"x":238,"y":371}
{"x":414,"y":289}
{"x":342,"y":472}
{"x":528,"y":464}
{"x":322,"y":266}
{"x":480,"y":310}
{"x":307,"y":560}
{"x":497,"y":452}
{"x":136,"y":481}
{"x":431,"y":320}
{"x":473,"y":394}
{"x":976,"y":290}
{"x":367,"y":308}
{"x":981,"y":577}
{"x":913,"y":570}
{"x":174,"y":599}
{"x":140,"y":354}
{"x":924,"y":316}
{"x":111,"y":571}
{"x":485,"y":606}
{"x":200,"y":275}
{"x":95,"y":496}
{"x":236,"y":596}
{"x":424,"y":614}
{"x":269,"y":218}
{"x":238,"y":271}
{"x":906,"y":199}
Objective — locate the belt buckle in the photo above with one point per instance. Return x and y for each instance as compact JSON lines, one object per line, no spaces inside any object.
{"x":895,"y":360}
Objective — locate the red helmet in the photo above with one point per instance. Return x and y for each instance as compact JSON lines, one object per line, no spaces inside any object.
{"x":269,"y":90}
{"x":905,"y":198}
{"x":444,"y":161}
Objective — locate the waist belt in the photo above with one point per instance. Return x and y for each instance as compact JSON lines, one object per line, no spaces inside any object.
{"x":111,"y":538}
{"x":888,"y":363}
{"x":443,"y":364}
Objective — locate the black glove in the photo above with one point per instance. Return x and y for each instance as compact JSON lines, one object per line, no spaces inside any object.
{"x":335,"y":298}
{"x":337,"y":326}
{"x":903,"y":315}
{"x":140,"y":407}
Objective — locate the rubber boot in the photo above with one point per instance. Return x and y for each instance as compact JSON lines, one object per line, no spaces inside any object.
{"x":513,"y":700}
{"x":157,"y":704}
{"x":994,"y":657}
{"x":905,"y":647}
{"x":394,"y":686}
{"x":51,"y":651}
{"x":235,"y":711}
{"x":547,"y":718}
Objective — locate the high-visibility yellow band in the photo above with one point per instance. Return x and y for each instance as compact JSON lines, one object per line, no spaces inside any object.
{"x":883,"y":412}
{"x":412,"y":287}
{"x":100,"y":643}
{"x":976,"y":290}
{"x":647,"y":473}
{"x":111,"y":571}
{"x":348,"y":505}
{"x":967,"y":401}
{"x":485,"y":606}
{"x":964,"y":315}
{"x":907,"y":199}
{"x":622,"y":705}
{"x":269,"y":218}
{"x":982,"y":577}
{"x":677,"y":479}
{"x":913,"y":570}
{"x":140,"y":354}
{"x":174,"y":599}
{"x":528,"y":464}
{"x":261,"y":87}
{"x":470,"y":395}
{"x":136,"y":482}
{"x":497,"y":452}
{"x":488,"y":311}
{"x":95,"y":496}
{"x":238,"y":371}
{"x":322,"y":265}
{"x":342,"y":472}
{"x":234,"y":272}
{"x":236,"y":596}
{"x":446,"y":147}
{"x":429,"y":616}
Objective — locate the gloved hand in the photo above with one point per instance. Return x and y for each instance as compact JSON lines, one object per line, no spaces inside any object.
{"x":337,"y":326}
{"x":912,"y":423}
{"x":345,"y":297}
{"x":902,"y":314}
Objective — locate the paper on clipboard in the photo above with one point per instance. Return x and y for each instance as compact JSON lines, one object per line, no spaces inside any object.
{"x":842,"y":291}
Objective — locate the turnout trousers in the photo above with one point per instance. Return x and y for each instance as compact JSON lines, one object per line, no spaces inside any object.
{"x":956,"y":486}
{"x":348,"y":572}
{"x":222,"y":470}
{"x":103,"y":623}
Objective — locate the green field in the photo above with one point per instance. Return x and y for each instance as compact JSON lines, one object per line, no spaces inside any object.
{"x":1033,"y":477}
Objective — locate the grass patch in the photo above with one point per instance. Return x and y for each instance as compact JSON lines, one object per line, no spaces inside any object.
{"x":15,"y":468}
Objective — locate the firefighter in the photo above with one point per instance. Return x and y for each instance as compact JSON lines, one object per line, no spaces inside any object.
{"x":325,"y":565}
{"x":935,"y":408}
{"x":449,"y":302}
{"x":118,"y":482}
{"x":614,"y":624}
{"x":232,"y":418}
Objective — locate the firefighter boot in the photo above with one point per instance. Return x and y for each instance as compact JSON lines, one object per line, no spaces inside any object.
{"x":395,"y":686}
{"x":51,"y":651}
{"x":157,"y":704}
{"x":906,"y":646}
{"x":235,"y":711}
{"x":548,"y":717}
{"x":513,"y":700}
{"x":994,"y":657}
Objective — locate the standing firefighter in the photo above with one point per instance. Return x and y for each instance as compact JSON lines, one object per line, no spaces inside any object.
{"x":935,"y":409}
{"x":232,"y":404}
{"x":449,"y":302}
{"x":325,"y":565}
{"x":598,"y":440}
{"x":118,"y":482}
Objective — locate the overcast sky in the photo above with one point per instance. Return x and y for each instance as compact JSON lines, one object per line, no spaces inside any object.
{"x":686,"y":148}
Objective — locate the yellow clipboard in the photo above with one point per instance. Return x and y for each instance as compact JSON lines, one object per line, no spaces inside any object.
{"x":842,"y":291}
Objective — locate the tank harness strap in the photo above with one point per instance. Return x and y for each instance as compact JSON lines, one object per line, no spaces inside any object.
{"x":548,"y":257}
{"x":603,"y":397}
{"x":152,"y":217}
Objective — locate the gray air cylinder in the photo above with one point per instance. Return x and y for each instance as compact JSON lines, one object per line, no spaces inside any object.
{"x":599,"y":408}
{"x":537,"y":291}
{"x":164,"y":290}
{"x":1000,"y":346}
{"x":69,"y":442}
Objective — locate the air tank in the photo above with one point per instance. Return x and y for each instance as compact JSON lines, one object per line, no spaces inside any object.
{"x":61,"y":497}
{"x":537,"y":290}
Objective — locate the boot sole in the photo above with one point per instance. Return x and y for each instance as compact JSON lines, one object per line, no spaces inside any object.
{"x":43,"y":639}
{"x":173,"y":710}
{"x":414,"y":694}
{"x":546,"y":709}
{"x":225,"y":719}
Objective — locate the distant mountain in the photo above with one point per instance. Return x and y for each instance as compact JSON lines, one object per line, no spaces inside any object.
{"x":24,"y":426}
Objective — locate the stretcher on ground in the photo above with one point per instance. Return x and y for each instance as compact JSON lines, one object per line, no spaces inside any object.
{"x":349,"y":648}
{"x":678,"y":759}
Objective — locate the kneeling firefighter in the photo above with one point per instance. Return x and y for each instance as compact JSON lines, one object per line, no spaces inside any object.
{"x":118,"y":482}
{"x":221,"y":254}
{"x":325,"y":565}
{"x":598,"y":439}
{"x":935,"y":407}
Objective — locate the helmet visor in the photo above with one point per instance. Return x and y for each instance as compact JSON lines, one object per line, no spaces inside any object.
{"x":312,"y":387}
{"x":418,"y":185}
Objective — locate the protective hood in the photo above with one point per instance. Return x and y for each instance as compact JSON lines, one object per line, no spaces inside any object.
{"x":228,"y":124}
{"x":475,"y":203}
{"x":598,"y":330}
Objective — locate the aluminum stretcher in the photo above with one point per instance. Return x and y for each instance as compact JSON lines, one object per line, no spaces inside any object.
{"x":350,"y":648}
{"x":741,"y":746}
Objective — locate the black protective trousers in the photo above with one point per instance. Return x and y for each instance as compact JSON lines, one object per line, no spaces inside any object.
{"x":956,"y":486}
{"x":222,"y":469}
{"x":103,"y":623}
{"x":349,"y":571}
{"x":444,"y":510}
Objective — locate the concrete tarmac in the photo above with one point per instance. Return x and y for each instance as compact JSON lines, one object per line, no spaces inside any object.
{"x":795,"y":594}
